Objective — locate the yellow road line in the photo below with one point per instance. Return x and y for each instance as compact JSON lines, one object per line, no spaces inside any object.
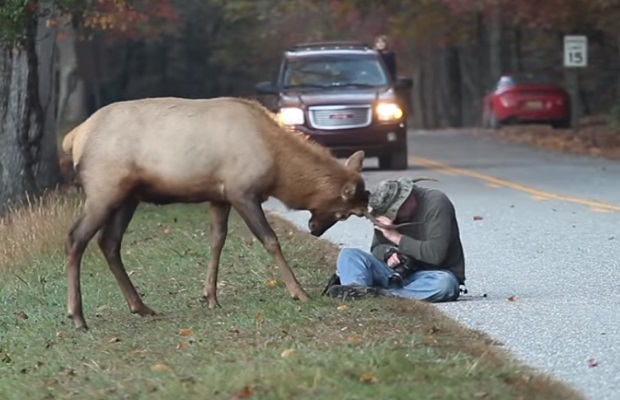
{"x":538,"y":194}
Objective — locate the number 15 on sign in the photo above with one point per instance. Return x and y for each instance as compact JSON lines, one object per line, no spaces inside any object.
{"x":575,"y":51}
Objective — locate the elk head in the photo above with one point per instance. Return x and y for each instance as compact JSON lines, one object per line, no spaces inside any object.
{"x":351,"y":199}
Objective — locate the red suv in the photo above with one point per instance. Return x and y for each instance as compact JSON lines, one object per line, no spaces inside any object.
{"x":342,"y":95}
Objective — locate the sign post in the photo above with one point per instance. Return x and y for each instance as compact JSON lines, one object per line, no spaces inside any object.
{"x":575,"y":57}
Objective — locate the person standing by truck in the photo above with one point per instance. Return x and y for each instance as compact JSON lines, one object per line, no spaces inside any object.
{"x":382,"y":45}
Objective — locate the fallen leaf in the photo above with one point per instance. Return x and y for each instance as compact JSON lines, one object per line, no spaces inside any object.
{"x":101,"y":309}
{"x":21,"y":315}
{"x":430,"y":339}
{"x":355,"y":339}
{"x":181,"y":345}
{"x":368,"y":378}
{"x":344,"y":328}
{"x":187,"y":379}
{"x":242,"y":394}
{"x":114,"y":340}
{"x":160,"y":367}
{"x":343,"y":307}
{"x":186,"y":332}
{"x":481,"y":395}
{"x":137,"y":351}
{"x":167,"y":231}
{"x":259,"y":317}
{"x":60,"y":335}
{"x":434,"y":329}
{"x":512,"y":298}
{"x":287,"y":353}
{"x":234,"y":330}
{"x":477,"y":218}
{"x":592,"y":362}
{"x":271,"y":282}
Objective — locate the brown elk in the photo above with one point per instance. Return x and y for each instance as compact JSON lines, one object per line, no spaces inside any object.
{"x":229,"y":152}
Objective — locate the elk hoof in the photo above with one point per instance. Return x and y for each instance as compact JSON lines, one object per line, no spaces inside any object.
{"x":303,"y":296}
{"x":80,"y":324}
{"x":211,"y":302}
{"x":143,"y":311}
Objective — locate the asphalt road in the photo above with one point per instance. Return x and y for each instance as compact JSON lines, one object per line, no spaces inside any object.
{"x":549,"y":235}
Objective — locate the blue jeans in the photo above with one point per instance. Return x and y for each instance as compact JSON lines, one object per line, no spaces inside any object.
{"x":355,"y":266}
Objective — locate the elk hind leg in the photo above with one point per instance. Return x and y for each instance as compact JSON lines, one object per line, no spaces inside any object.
{"x":219,"y":229}
{"x":80,"y":234}
{"x":253,"y":215}
{"x":110,"y":239}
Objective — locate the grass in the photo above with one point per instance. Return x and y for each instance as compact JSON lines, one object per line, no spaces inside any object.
{"x":261,"y":344}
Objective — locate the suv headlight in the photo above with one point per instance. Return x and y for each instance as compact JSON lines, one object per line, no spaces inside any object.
{"x":291,"y":116}
{"x":389,"y":112}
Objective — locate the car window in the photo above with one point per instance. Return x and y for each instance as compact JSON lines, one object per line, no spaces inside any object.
{"x":333,"y":71}
{"x":504,"y":83}
{"x":532,"y":79}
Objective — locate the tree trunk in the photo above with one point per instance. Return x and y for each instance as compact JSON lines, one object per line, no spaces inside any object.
{"x":429,"y":88}
{"x":417,"y":98}
{"x":472,"y":57}
{"x":515,"y":50}
{"x":71,"y":95}
{"x":28,"y":148}
{"x":495,"y":45}
{"x":449,"y":88}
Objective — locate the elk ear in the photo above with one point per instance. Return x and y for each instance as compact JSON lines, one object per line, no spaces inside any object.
{"x":348,"y":191}
{"x":356,"y":160}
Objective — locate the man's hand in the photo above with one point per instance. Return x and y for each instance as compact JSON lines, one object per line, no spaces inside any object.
{"x":390,"y":234}
{"x":393,"y":260}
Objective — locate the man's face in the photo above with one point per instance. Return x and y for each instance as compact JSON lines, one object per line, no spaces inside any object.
{"x":406,"y":211}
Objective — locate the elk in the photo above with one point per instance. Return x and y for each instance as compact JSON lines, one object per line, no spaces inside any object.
{"x":227,"y":152}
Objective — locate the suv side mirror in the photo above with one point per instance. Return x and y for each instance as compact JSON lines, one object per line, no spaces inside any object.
{"x":404,"y":83}
{"x":265,"y":87}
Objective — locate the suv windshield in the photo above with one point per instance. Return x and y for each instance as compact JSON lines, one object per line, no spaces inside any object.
{"x":333,"y":71}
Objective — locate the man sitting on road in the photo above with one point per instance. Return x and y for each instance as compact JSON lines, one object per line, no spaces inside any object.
{"x":422,"y":260}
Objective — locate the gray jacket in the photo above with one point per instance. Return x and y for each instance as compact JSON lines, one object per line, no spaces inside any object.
{"x":434,"y":241}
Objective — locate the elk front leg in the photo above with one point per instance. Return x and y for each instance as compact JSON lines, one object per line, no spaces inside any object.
{"x":253,"y":215}
{"x":219,"y":229}
{"x":110,"y":244}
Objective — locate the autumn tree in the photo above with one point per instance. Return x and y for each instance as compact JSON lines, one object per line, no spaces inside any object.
{"x":86,"y":31}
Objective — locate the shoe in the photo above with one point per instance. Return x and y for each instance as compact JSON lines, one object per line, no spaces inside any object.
{"x":353,"y":292}
{"x":333,"y":280}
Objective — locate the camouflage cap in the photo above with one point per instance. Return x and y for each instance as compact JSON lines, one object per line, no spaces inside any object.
{"x":389,"y":196}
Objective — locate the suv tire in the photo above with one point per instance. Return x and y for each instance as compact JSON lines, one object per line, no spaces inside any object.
{"x":395,"y":161}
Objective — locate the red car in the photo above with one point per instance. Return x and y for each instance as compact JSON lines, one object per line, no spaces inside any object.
{"x":525,"y":97}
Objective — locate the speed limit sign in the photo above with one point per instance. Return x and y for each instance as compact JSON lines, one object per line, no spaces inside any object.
{"x":575,"y":51}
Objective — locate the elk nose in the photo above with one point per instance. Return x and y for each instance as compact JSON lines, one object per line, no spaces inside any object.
{"x":312,"y":226}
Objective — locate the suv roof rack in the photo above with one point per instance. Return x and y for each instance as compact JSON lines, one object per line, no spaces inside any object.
{"x":330,"y":45}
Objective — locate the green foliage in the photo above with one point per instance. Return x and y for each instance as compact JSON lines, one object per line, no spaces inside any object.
{"x":13,"y":15}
